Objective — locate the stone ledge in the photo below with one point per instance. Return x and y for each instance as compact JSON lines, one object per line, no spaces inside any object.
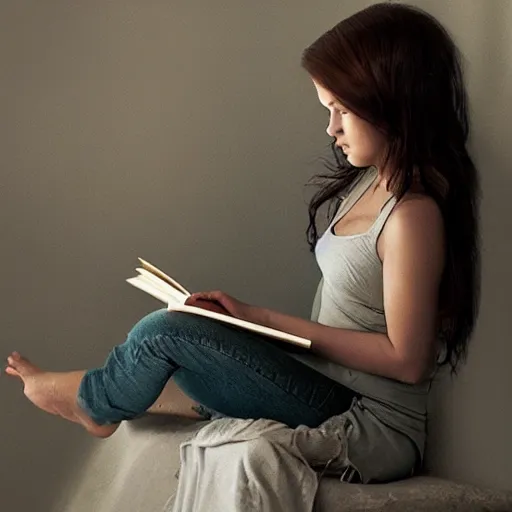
{"x":417,"y":494}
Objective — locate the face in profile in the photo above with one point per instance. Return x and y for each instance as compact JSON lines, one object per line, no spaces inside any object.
{"x":363,"y":144}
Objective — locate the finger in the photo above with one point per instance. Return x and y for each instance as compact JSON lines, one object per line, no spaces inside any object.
{"x":211,"y":305}
{"x":199,"y":299}
{"x":200,"y":295}
{"x":213,"y":295}
{"x":220,"y":298}
{"x":189,"y":301}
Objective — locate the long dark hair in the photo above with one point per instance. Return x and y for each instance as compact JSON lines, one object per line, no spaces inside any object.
{"x":396,"y":67}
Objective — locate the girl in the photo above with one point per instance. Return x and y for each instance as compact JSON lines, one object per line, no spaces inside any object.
{"x":399,"y":262}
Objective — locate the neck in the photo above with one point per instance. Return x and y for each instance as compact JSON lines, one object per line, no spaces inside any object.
{"x":381,"y":181}
{"x":383,"y":176}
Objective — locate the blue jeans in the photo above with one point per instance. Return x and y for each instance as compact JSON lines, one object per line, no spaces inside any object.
{"x":225,"y":369}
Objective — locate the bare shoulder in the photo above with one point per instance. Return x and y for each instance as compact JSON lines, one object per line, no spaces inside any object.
{"x":417,"y":210}
{"x":416,"y":224}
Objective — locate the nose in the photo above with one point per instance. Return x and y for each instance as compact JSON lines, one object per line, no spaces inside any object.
{"x":334,"y":126}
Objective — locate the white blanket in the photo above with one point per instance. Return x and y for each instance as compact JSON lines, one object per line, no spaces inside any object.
{"x":234,"y":465}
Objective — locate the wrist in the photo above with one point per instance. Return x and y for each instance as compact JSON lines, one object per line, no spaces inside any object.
{"x":258,"y":315}
{"x":316,"y":348}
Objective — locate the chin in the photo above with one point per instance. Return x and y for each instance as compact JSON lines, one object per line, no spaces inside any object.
{"x":357,"y":162}
{"x":353,"y":161}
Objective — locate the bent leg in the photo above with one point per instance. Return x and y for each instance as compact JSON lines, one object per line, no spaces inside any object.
{"x":227,"y":369}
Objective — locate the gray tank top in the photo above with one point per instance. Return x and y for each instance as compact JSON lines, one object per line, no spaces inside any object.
{"x":350,"y":296}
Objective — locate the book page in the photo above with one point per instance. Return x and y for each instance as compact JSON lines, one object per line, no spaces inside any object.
{"x":178,"y":296}
{"x":148,"y":287}
{"x":156,"y":271}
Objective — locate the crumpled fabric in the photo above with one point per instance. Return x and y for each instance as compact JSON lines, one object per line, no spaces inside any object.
{"x":234,"y":465}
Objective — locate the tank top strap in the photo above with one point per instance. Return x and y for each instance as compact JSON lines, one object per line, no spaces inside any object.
{"x":384,"y":214}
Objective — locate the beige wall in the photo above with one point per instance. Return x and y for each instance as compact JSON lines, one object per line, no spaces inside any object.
{"x":183,"y":132}
{"x":472,"y":419}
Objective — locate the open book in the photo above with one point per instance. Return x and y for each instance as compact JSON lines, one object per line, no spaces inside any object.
{"x":154,"y":282}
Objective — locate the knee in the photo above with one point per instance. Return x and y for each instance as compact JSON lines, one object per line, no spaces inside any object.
{"x":163,"y":323}
{"x":152,"y":324}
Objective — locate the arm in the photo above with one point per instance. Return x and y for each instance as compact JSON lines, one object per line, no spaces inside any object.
{"x":412,"y":250}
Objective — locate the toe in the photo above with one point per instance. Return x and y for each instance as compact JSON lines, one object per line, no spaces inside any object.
{"x":13,"y":361}
{"x":11,"y":371}
{"x":22,"y":366}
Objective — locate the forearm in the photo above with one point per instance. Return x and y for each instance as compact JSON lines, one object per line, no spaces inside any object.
{"x":365,"y":351}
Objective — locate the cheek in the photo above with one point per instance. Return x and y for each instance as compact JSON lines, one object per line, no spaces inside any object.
{"x":366,"y":146}
{"x":371,"y":140}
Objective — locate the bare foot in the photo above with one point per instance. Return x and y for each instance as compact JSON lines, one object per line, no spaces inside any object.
{"x":55,"y":393}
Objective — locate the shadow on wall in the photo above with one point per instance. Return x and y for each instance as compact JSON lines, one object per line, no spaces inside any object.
{"x":471,"y":419}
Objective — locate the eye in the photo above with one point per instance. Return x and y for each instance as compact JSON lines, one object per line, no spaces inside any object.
{"x":340,"y":110}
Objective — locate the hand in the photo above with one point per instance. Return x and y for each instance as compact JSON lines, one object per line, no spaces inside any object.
{"x":210,"y":305}
{"x":221,"y":302}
